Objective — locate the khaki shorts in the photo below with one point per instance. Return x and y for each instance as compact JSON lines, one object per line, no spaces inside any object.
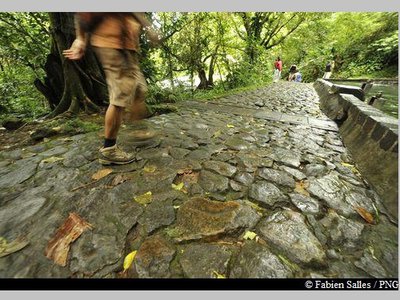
{"x":125,"y":81}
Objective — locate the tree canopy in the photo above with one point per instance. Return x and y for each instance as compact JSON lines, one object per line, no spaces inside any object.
{"x":203,"y":51}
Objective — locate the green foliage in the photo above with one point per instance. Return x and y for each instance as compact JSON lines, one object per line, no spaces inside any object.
{"x":163,"y":108}
{"x":18,"y":94}
{"x":24,"y":42}
{"x":245,"y":73}
{"x":78,"y":126}
{"x":228,"y":51}
{"x":70,"y":126}
{"x":361,"y":44}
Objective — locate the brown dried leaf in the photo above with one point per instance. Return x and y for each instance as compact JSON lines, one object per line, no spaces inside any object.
{"x":101,"y":173}
{"x":58,"y":247}
{"x":301,"y":187}
{"x":120,"y":178}
{"x":191,"y":177}
{"x":365,"y":214}
{"x":184,"y":171}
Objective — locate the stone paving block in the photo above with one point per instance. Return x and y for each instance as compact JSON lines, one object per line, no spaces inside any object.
{"x":328,"y":125}
{"x":273,"y":195}
{"x":294,"y":119}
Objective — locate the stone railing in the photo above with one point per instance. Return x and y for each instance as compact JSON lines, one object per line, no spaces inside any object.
{"x":392,"y":81}
{"x":370,"y":135}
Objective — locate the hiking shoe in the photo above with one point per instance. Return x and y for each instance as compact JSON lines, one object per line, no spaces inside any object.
{"x":114,"y":155}
{"x":141,"y":131}
{"x":142,"y":134}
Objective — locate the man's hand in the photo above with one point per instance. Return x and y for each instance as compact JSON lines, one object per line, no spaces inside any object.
{"x":76,"y":51}
{"x":153,"y":37}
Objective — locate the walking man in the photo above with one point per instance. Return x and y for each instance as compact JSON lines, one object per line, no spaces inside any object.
{"x":114,"y":38}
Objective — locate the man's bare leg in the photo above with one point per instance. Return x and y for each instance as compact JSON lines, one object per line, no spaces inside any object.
{"x":112,"y":121}
{"x":110,"y":153}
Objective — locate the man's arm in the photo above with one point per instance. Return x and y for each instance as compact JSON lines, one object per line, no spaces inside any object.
{"x":78,"y":47}
{"x":153,"y":35}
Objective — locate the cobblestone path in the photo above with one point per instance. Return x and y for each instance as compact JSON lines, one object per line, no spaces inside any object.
{"x":255,"y":185}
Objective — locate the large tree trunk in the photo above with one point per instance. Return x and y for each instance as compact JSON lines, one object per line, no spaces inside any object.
{"x":203,"y":79}
{"x":69,"y":85}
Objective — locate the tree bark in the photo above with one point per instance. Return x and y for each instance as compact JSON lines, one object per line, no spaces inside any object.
{"x":69,"y":84}
{"x":203,"y":79}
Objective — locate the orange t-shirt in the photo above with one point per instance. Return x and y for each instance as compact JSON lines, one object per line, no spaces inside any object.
{"x":108,"y":34}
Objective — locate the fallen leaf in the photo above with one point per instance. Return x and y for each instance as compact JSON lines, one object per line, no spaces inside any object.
{"x":347,"y":165}
{"x":365,"y":214}
{"x":219,"y":276}
{"x":190,"y":177}
{"x":351,"y":167}
{"x":67,"y":139}
{"x":101,"y":173}
{"x":150,"y":169}
{"x":129,"y":260}
{"x":144,"y":199}
{"x":258,"y":208}
{"x":9,"y":248}
{"x":57,"y":129}
{"x":58,"y":247}
{"x":178,"y":187}
{"x":120,"y":178}
{"x":230,"y":125}
{"x":52,"y":159}
{"x":301,"y":188}
{"x":176,"y":206}
{"x":217,"y":134}
{"x":249,"y":235}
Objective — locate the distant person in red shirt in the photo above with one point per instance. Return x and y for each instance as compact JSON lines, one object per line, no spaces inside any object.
{"x":277,"y":69}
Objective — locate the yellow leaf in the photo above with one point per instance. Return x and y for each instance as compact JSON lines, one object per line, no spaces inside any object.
{"x":144,"y":199}
{"x":347,"y":165}
{"x":101,"y":173}
{"x":217,"y":134}
{"x":300,"y":188}
{"x":249,"y":235}
{"x":52,"y":159}
{"x":176,"y":206}
{"x":120,"y":178}
{"x":129,"y":260}
{"x":178,"y":187}
{"x":230,"y":125}
{"x":219,"y":276}
{"x":57,"y":129}
{"x":351,"y":167}
{"x":150,"y":169}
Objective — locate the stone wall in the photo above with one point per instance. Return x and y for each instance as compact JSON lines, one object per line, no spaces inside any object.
{"x":370,"y":135}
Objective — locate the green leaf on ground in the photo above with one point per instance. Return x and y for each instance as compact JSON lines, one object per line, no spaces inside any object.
{"x":178,"y":187}
{"x":249,"y":235}
{"x":150,"y":169}
{"x":144,"y":199}
{"x":52,"y":159}
{"x":219,"y":276}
